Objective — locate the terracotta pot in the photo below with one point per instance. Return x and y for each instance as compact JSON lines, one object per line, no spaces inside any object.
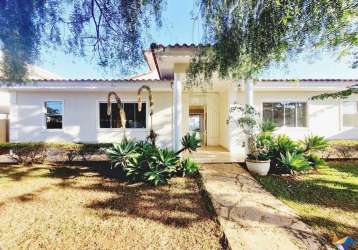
{"x":258,"y":167}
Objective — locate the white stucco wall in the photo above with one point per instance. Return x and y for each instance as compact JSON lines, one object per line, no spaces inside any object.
{"x":323,"y":117}
{"x":81,"y":117}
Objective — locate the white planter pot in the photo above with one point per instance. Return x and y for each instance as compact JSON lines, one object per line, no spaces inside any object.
{"x":258,"y":167}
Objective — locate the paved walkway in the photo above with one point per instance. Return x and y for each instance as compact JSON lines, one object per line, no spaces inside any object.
{"x":251,"y":217}
{"x":215,"y":154}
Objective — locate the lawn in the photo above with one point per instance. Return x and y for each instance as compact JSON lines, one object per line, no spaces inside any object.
{"x":53,"y":207}
{"x":327,"y":200}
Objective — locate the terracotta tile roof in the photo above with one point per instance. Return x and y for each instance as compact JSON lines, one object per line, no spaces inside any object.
{"x":94,"y":80}
{"x":179,"y":46}
{"x":309,"y":80}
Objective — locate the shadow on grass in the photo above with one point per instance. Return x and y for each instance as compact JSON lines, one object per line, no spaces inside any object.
{"x":178,"y":204}
{"x":17,"y":173}
{"x":339,"y":228}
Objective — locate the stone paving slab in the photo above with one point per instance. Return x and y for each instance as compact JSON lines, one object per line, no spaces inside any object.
{"x":251,"y":217}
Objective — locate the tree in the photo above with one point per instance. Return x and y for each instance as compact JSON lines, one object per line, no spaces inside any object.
{"x":247,"y":36}
{"x":111,"y":31}
{"x":339,"y":94}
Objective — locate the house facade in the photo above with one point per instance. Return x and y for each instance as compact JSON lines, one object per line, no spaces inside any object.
{"x":60,"y":110}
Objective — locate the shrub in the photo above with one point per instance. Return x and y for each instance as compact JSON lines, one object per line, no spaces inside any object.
{"x":295,"y":161}
{"x":28,"y":153}
{"x":143,"y":161}
{"x":123,"y":155}
{"x":162,"y":167}
{"x":315,"y":160}
{"x":314,"y":143}
{"x":268,"y":126}
{"x":188,"y":167}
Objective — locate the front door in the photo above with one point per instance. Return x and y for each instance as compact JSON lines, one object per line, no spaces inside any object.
{"x":197,"y":124}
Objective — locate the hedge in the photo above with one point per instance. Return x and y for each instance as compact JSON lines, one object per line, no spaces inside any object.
{"x":37,"y":152}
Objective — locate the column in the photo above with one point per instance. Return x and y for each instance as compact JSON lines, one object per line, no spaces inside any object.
{"x":177,"y":111}
{"x":249,"y":91}
{"x":13,"y":118}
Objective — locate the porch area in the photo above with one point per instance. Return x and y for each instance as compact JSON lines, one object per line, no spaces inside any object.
{"x":216,"y":154}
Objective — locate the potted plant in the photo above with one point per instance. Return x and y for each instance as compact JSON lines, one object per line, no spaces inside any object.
{"x":258,"y":157}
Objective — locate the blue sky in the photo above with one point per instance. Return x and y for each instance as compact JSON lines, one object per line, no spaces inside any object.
{"x":179,"y":27}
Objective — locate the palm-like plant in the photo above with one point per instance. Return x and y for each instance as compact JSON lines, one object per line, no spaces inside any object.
{"x":190,"y":142}
{"x":122,"y":121}
{"x":152,"y":135}
{"x":314,"y":143}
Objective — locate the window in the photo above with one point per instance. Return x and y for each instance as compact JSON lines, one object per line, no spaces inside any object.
{"x":135,"y":119}
{"x":289,"y":114}
{"x":54,"y":114}
{"x":350,"y":114}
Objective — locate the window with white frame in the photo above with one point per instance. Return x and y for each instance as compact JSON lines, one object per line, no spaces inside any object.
{"x":54,"y":114}
{"x":288,"y":114}
{"x":135,"y":119}
{"x":350,"y":113}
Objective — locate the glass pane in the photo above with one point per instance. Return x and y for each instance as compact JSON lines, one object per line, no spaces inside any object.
{"x":141,"y":121}
{"x":290,"y":114}
{"x":301,"y":114}
{"x":278,"y":112}
{"x":135,"y":119}
{"x":54,"y":122}
{"x":106,"y":121}
{"x":54,"y":108}
{"x":267,"y":112}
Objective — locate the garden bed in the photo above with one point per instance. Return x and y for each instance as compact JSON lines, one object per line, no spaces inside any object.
{"x":80,"y":207}
{"x":327,"y":200}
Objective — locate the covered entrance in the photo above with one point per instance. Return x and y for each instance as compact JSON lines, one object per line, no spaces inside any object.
{"x":197,"y":123}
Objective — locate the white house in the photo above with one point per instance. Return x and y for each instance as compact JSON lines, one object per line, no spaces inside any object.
{"x":75,"y":109}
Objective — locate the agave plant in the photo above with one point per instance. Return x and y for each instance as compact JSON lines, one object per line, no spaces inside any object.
{"x":152,"y":135}
{"x":188,"y":167}
{"x":284,"y":144}
{"x":314,"y":143}
{"x":122,"y":113}
{"x":162,"y":167}
{"x":123,"y":155}
{"x":190,"y":142}
{"x":295,"y":161}
{"x":268,"y":126}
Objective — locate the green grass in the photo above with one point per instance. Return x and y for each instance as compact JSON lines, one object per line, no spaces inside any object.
{"x":327,"y":200}
{"x":344,"y":142}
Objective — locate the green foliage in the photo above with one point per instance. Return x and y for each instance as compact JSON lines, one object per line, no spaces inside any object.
{"x":188,"y":167}
{"x":143,"y":161}
{"x":283,"y":144}
{"x":162,"y":167}
{"x":123,"y":155}
{"x":336,"y":95}
{"x":314,"y":143}
{"x":112,"y":32}
{"x":315,"y":160}
{"x":247,"y":36}
{"x":268,"y":126}
{"x":295,"y":161}
{"x":190,"y":142}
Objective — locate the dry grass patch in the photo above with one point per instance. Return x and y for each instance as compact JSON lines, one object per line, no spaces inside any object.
{"x":48,"y":207}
